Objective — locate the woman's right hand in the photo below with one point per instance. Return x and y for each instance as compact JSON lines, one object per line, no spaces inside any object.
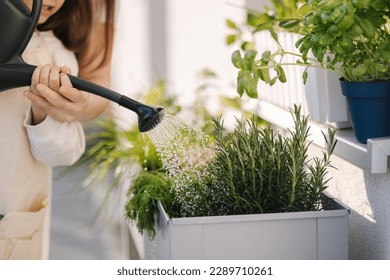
{"x":46,"y":79}
{"x":52,"y":93}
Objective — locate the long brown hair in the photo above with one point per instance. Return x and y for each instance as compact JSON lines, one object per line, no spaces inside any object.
{"x":73,"y":23}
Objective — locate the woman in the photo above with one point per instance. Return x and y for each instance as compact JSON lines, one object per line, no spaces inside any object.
{"x":40,"y":125}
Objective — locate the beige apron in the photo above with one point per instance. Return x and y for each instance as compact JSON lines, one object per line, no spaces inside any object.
{"x":25,"y":183}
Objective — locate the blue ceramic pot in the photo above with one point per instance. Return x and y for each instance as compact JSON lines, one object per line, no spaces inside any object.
{"x":369,"y":108}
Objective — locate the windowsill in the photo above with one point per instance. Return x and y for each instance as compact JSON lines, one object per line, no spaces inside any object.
{"x":372,"y":156}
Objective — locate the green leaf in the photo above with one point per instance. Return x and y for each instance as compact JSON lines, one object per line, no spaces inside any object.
{"x":249,"y":59}
{"x":326,"y":40}
{"x":382,"y":68}
{"x":231,"y":39}
{"x":281,"y":74}
{"x":346,"y":44}
{"x":338,"y":13}
{"x":274,"y":35}
{"x":379,"y":5}
{"x":241,"y":83}
{"x":368,"y":28}
{"x":346,"y":22}
{"x":360,"y":70}
{"x":251,"y":88}
{"x":334,"y":29}
{"x":264,"y":75}
{"x":326,"y":18}
{"x":304,"y":9}
{"x":355,"y":31}
{"x":289,"y":24}
{"x":385,"y":54}
{"x":361,"y":3}
{"x":237,"y":59}
{"x":300,"y":41}
{"x":305,"y":76}
{"x":257,"y":20}
{"x":265,"y":57}
{"x":273,"y":81}
{"x":245,"y":46}
{"x":231,"y":24}
{"x":337,"y":48}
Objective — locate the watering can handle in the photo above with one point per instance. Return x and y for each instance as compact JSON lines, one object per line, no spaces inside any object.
{"x":35,"y":15}
{"x":36,"y":12}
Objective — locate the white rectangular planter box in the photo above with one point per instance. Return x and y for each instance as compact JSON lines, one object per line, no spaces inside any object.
{"x":294,"y":235}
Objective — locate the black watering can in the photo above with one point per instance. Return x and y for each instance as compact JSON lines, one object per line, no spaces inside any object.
{"x":17,"y":25}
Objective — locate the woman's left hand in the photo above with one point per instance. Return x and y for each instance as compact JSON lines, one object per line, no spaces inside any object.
{"x":51,"y":93}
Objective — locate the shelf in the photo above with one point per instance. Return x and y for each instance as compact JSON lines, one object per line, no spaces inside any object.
{"x":372,"y":156}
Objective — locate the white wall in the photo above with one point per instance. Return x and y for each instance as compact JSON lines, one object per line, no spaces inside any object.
{"x":131,"y":59}
{"x":196,"y":40}
{"x":172,"y":40}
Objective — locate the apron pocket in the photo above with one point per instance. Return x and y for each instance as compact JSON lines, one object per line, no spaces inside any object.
{"x":21,"y":235}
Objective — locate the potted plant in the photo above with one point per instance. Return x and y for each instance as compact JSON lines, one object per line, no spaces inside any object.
{"x":320,"y":96}
{"x":258,"y":196}
{"x":350,"y":38}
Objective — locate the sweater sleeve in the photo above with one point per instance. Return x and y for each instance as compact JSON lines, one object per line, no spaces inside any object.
{"x":55,"y":143}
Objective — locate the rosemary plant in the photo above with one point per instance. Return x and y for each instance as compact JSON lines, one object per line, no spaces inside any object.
{"x":258,"y":171}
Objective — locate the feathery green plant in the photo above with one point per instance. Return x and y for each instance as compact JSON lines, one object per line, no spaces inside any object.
{"x":147,"y":189}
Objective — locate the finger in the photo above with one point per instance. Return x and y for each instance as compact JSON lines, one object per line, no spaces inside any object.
{"x":52,"y":97}
{"x":45,"y":73}
{"x":35,"y":79}
{"x":37,"y":100}
{"x":47,"y":108}
{"x":65,"y":69}
{"x":68,"y":91}
{"x":54,"y":78}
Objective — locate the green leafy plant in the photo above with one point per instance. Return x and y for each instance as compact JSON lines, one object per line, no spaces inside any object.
{"x":112,"y":150}
{"x":351,"y":38}
{"x":253,"y":170}
{"x":146,"y":190}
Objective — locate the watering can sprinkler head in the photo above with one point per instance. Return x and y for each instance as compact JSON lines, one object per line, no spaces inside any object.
{"x":150,"y":118}
{"x":17,"y":25}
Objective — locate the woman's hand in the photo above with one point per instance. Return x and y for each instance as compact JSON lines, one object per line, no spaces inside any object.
{"x":51,"y":93}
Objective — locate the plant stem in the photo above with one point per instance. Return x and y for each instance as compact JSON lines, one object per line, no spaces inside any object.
{"x":301,"y":64}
